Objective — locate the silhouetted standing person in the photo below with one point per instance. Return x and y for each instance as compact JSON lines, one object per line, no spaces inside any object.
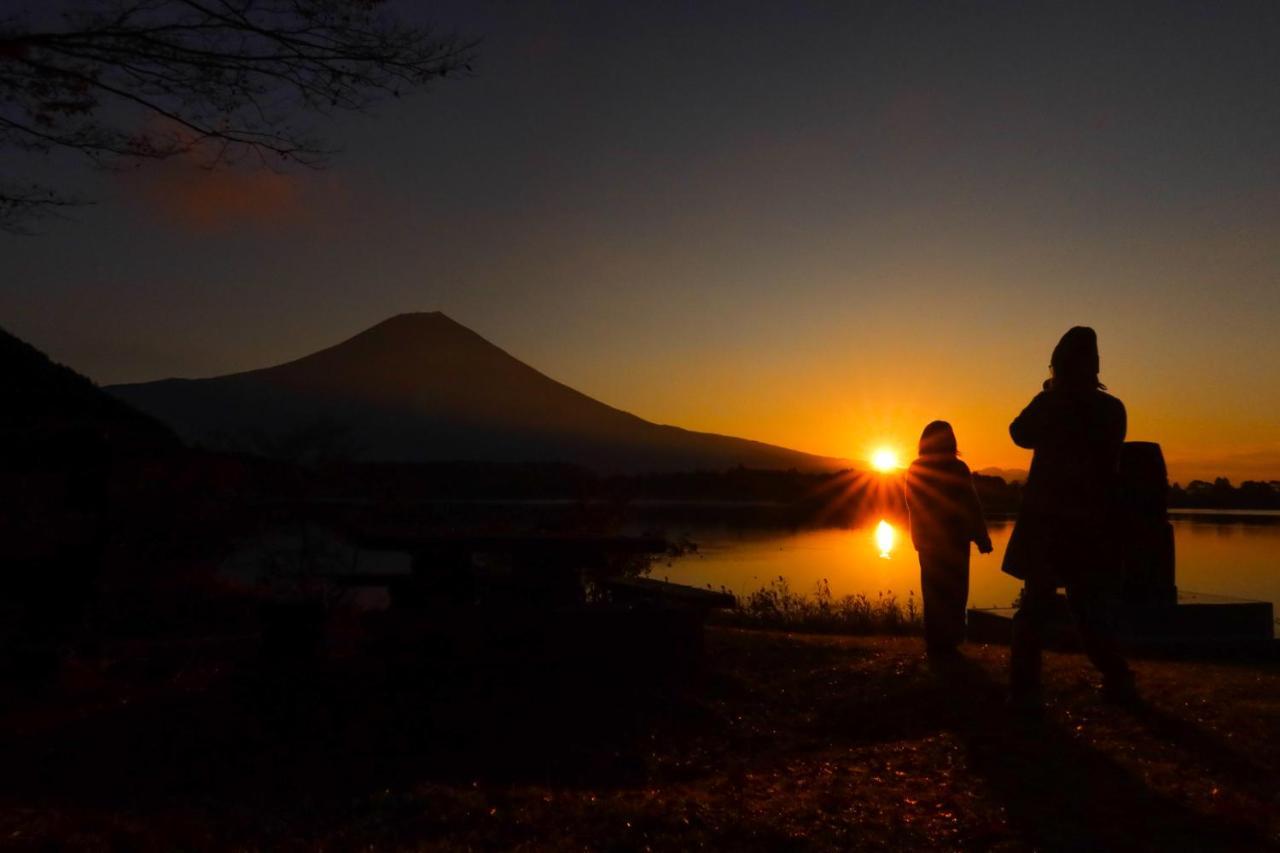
{"x":1066,"y":534}
{"x":945,"y":517}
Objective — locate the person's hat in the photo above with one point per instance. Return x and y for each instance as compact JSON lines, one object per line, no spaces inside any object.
{"x":1077,"y":353}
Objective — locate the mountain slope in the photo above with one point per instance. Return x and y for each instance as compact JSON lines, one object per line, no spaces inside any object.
{"x":421,"y":387}
{"x":50,"y":409}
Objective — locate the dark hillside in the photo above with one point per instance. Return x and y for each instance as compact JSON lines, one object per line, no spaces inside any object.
{"x":46,"y":401}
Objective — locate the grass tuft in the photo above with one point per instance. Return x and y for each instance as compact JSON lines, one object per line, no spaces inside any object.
{"x":778,"y":606}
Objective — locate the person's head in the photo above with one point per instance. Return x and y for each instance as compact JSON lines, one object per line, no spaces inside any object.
{"x":1075,"y":362}
{"x":938,"y":439}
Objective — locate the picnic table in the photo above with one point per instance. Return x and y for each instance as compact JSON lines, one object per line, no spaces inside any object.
{"x":535,"y":569}
{"x":524,"y":599}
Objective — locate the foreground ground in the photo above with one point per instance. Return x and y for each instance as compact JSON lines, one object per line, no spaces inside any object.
{"x":781,"y":742}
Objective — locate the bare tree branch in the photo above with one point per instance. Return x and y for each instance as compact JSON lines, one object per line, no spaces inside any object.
{"x":220,"y":80}
{"x":21,"y":206}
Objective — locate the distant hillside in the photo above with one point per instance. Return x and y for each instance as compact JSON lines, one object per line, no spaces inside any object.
{"x":421,"y":387}
{"x":1009,"y":475}
{"x":49,"y":407}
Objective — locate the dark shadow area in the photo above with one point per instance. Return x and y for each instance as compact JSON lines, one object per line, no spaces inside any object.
{"x":1057,"y":791}
{"x":395,"y":747}
{"x":305,"y":748}
{"x":1212,"y":751}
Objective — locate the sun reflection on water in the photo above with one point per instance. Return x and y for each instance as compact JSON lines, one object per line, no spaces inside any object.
{"x":886,"y":536}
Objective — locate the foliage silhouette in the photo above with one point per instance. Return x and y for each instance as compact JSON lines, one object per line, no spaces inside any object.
{"x":124,"y":81}
{"x":777,"y":605}
{"x":1220,"y":494}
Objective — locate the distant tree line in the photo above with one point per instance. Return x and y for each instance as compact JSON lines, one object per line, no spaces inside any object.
{"x":1220,"y":494}
{"x":768,"y":496}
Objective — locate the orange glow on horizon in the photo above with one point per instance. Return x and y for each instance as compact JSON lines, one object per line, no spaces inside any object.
{"x":845,"y":405}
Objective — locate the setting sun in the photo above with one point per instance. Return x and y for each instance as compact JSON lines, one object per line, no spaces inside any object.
{"x":884,"y":459}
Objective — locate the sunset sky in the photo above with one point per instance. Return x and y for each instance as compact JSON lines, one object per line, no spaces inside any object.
{"x":815,"y":224}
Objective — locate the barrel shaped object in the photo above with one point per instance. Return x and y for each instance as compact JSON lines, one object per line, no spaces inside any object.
{"x":1149,"y":564}
{"x":1144,"y":480}
{"x":1146,"y":539}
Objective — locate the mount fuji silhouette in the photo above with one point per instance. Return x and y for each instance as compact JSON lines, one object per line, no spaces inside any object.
{"x":422,"y":388}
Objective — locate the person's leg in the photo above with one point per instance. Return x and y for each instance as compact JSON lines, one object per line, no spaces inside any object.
{"x":1028,"y":634}
{"x":960,"y":595}
{"x":1093,"y":607}
{"x":933,"y":598}
{"x":951,"y":594}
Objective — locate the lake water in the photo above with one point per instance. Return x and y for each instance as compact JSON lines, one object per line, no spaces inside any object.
{"x":1235,"y":555}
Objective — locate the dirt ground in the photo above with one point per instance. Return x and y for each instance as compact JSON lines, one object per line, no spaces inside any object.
{"x":780,"y":741}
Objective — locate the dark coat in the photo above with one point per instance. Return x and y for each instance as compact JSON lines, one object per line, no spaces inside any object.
{"x":943,"y":507}
{"x":1070,"y":501}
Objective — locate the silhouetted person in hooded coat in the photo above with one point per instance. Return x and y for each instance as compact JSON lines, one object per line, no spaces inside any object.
{"x":1066,"y":534}
{"x":945,"y":517}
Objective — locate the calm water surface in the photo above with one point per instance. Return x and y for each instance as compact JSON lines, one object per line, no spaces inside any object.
{"x":1232,"y":555}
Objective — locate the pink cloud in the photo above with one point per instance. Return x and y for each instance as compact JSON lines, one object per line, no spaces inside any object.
{"x":218,"y":199}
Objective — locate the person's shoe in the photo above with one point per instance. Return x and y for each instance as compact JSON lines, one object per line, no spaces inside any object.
{"x":1120,"y":690}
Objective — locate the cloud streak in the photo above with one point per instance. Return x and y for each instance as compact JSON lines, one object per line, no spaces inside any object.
{"x":203,"y":200}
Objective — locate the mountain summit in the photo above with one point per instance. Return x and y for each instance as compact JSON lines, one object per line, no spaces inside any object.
{"x":421,"y":387}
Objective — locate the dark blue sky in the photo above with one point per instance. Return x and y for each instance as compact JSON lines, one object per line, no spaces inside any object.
{"x":815,"y":224}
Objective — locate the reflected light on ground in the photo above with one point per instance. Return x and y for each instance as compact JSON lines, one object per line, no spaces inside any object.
{"x":886,"y":536}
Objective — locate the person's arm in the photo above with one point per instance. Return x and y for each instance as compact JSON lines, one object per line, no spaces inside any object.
{"x":1029,"y":426}
{"x":973,"y":506}
{"x":1118,"y":428}
{"x":909,"y":489}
